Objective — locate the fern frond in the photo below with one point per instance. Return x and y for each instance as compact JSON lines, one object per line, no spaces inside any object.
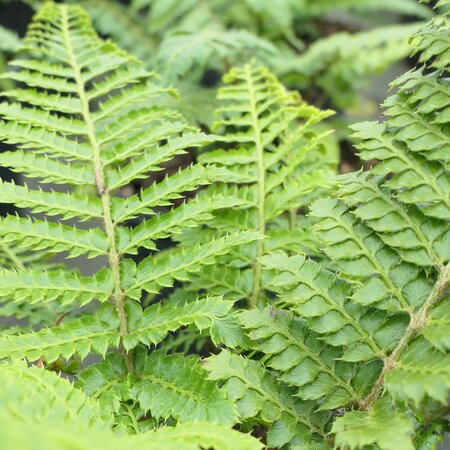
{"x":52,"y":203}
{"x":80,"y":336}
{"x":388,"y":230}
{"x":302,"y":360}
{"x":185,"y":51}
{"x":413,"y":378}
{"x":153,"y":325}
{"x":151,"y":161}
{"x":257,"y":395}
{"x":416,"y":180}
{"x":26,"y":392}
{"x":175,"y":386}
{"x":45,"y":436}
{"x":48,"y":170}
{"x":55,"y":237}
{"x":358,"y":252}
{"x":72,"y":418}
{"x":270,"y":162}
{"x":111,"y":130}
{"x":385,"y":426}
{"x":323,"y":301}
{"x":165,"y":386}
{"x":415,"y":238}
{"x":28,"y":286}
{"x":189,"y":215}
{"x":160,"y":194}
{"x":97,"y":333}
{"x":407,"y":7}
{"x":199,"y":435}
{"x":156,"y":272}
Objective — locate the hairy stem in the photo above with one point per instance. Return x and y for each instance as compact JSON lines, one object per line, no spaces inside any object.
{"x":118,"y":296}
{"x":416,"y":325}
{"x":261,"y":190}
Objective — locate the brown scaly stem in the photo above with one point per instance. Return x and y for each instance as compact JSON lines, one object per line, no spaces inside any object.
{"x":416,"y":325}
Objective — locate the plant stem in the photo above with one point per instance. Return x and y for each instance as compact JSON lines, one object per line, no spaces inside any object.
{"x":118,"y":296}
{"x":261,"y":189}
{"x":416,"y":325}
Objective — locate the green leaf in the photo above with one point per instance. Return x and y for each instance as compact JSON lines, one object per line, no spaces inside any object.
{"x":31,"y":286}
{"x":34,"y":394}
{"x":153,"y":324}
{"x":79,"y":336}
{"x":260,"y":397}
{"x":383,"y":425}
{"x":55,"y":237}
{"x":176,"y":386}
{"x":416,"y":376}
{"x":301,"y":358}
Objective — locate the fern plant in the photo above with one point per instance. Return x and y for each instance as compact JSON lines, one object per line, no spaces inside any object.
{"x":271,"y":156}
{"x":345,"y":343}
{"x":359,"y":357}
{"x":86,"y":117}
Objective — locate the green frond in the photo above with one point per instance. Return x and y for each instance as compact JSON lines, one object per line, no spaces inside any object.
{"x":415,"y":377}
{"x":164,"y":193}
{"x":30,"y":286}
{"x":430,"y":43}
{"x":405,"y":229}
{"x":436,"y":329}
{"x":407,"y":7}
{"x":259,"y":397}
{"x":200,"y":435}
{"x":48,"y":170}
{"x":176,"y":386}
{"x":416,"y":180}
{"x":37,"y":138}
{"x":155,"y":272}
{"x":111,"y":130}
{"x":37,"y":401}
{"x":53,"y":203}
{"x":126,"y":28}
{"x":44,"y":436}
{"x":79,"y":336}
{"x":113,"y":126}
{"x":55,"y":237}
{"x":106,"y":381}
{"x":46,"y":101}
{"x":186,"y":51}
{"x":302,"y":360}
{"x":418,"y":96}
{"x":358,"y":252}
{"x":323,"y":301}
{"x":153,"y":324}
{"x":97,"y":333}
{"x":163,"y":385}
{"x":26,"y":392}
{"x":151,"y":161}
{"x":383,"y":425}
{"x":188,"y":215}
{"x":17,"y":113}
{"x":273,"y":151}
